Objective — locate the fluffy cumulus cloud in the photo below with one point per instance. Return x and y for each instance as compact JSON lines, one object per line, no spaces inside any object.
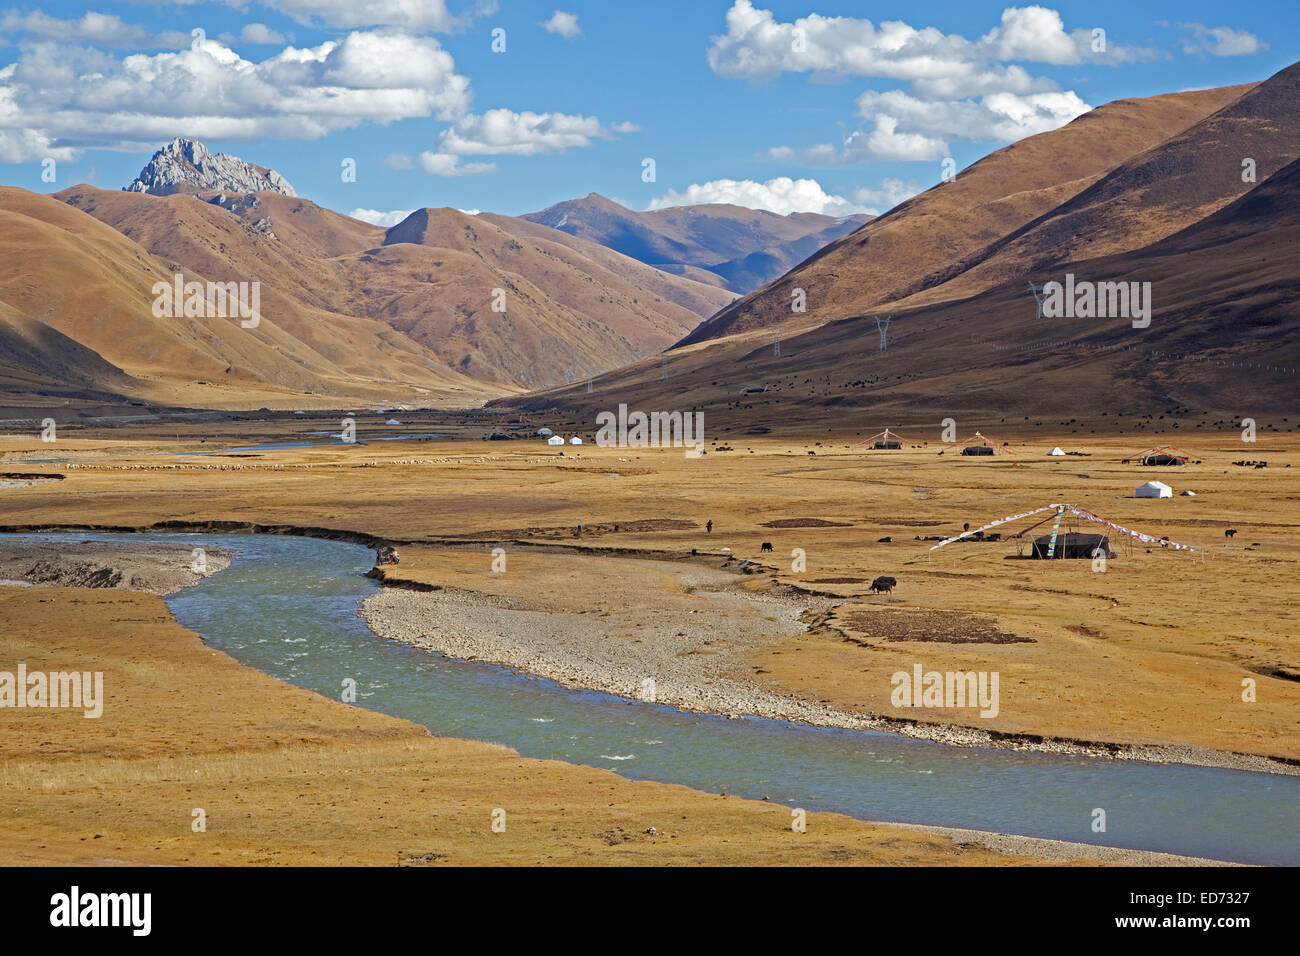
{"x":1220,"y":41}
{"x":65,"y":97}
{"x":757,"y":46}
{"x":564,"y":24}
{"x":377,"y":217}
{"x":958,"y":88}
{"x":782,"y":195}
{"x":503,"y":132}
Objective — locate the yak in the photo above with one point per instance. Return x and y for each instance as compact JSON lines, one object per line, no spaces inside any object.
{"x":885,"y":584}
{"x":767,"y":546}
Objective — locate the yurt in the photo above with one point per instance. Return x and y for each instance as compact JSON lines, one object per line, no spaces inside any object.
{"x":1161,"y":458}
{"x":575,"y":440}
{"x":1056,"y":452}
{"x":555,"y":440}
{"x":545,"y":432}
{"x":1073,"y":545}
{"x":1154,"y":489}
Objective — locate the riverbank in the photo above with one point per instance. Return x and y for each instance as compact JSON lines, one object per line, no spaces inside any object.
{"x":690,"y":650}
{"x":199,"y":760}
{"x":155,"y":568}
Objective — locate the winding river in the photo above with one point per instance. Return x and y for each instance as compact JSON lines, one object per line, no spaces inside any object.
{"x":289,"y":606}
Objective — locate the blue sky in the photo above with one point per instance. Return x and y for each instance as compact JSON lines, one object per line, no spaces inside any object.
{"x":771,"y":104}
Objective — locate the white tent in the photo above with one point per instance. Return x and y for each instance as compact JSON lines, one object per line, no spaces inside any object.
{"x":555,"y":440}
{"x":545,"y":432}
{"x":575,"y":440}
{"x":1056,"y":452}
{"x":1154,"y":489}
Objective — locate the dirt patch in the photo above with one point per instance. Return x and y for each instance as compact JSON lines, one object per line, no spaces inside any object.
{"x":1082,"y":629}
{"x":805,"y":523}
{"x":588,"y":530}
{"x":941,"y":627}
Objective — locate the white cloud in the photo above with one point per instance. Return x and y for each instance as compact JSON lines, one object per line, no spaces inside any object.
{"x":502,"y":132}
{"x":377,"y":218}
{"x":448,"y":164}
{"x":398,"y":161}
{"x":960,"y":89}
{"x":1220,"y":41}
{"x":907,"y":128}
{"x":625,"y":127}
{"x":77,"y":97}
{"x":757,"y":46}
{"x":260,"y":33}
{"x":505,"y":132}
{"x":886,"y":196}
{"x":1038,"y":35}
{"x":565,"y":24}
{"x":101,"y":29}
{"x":782,"y":195}
{"x":415,"y":15}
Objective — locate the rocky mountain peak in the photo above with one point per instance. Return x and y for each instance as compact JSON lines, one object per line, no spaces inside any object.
{"x":187,"y":163}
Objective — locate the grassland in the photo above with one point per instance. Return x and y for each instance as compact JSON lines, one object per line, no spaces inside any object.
{"x":1152,"y":652}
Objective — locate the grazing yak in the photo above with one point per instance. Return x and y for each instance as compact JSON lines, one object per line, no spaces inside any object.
{"x":1230,"y":532}
{"x":885,"y":540}
{"x":767,"y":546}
{"x":885,"y":584}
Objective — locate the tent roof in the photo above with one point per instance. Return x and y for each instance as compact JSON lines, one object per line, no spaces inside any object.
{"x":997,"y":449}
{"x":887,"y":435}
{"x":1078,"y":512}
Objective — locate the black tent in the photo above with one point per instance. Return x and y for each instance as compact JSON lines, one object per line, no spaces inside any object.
{"x":888,"y":443}
{"x":977,"y":450}
{"x":1073,"y":544}
{"x":1160,"y":458}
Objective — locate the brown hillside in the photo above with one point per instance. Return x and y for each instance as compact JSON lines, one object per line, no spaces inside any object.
{"x":892,"y":256}
{"x":1224,"y":338}
{"x":92,"y":284}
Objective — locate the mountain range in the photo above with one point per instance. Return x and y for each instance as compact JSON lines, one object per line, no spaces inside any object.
{"x":1193,"y":193}
{"x":725,"y":245}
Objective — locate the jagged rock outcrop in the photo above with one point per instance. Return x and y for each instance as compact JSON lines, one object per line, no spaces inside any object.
{"x":187,"y":163}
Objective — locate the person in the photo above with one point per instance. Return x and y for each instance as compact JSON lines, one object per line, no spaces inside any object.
{"x":708,"y":526}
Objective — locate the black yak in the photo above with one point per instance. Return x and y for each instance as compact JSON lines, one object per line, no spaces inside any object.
{"x":767,"y":546}
{"x":885,"y":584}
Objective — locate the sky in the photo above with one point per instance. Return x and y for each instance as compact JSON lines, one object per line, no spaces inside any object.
{"x":509,"y":107}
